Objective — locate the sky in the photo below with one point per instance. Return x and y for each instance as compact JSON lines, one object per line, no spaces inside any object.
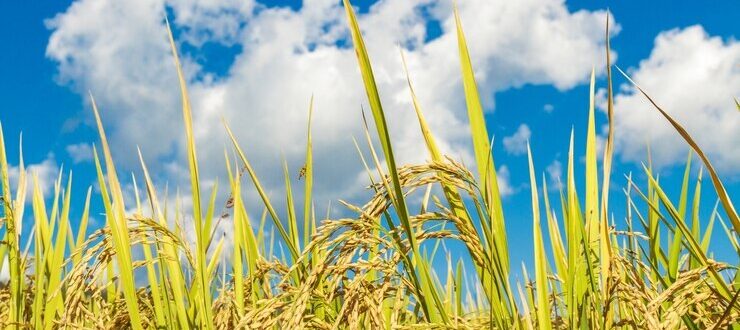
{"x":256,"y":64}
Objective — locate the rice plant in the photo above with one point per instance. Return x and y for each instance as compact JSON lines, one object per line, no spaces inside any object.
{"x":370,"y":270}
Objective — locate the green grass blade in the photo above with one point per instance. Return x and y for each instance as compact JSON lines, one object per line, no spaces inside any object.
{"x":56,"y":264}
{"x":540,"y":258}
{"x":674,"y":253}
{"x":82,"y":227}
{"x":450,"y":192}
{"x":204,"y":303}
{"x":691,"y":243}
{"x":12,"y":237}
{"x":294,"y":251}
{"x":708,"y":231}
{"x":237,"y":256}
{"x":718,"y":186}
{"x":695,"y":225}
{"x":482,"y":148}
{"x":307,"y":174}
{"x":556,"y":240}
{"x":41,"y":252}
{"x":168,"y":253}
{"x":116,"y":219}
{"x":290,"y":208}
{"x":434,"y":311}
{"x":592,"y":180}
{"x":498,"y":242}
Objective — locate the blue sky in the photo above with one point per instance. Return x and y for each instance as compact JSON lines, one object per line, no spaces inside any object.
{"x":257,"y":65}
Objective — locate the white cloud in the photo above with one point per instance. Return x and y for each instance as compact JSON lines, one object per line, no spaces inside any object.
{"x":549,"y":108}
{"x":80,"y":152}
{"x":119,"y":51}
{"x":555,"y":174}
{"x":211,"y":20}
{"x":503,"y":177}
{"x":516,"y":144}
{"x":46,"y":171}
{"x":692,"y":76}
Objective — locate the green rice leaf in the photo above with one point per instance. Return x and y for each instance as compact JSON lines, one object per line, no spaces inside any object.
{"x":204,"y":291}
{"x":433,"y":311}
{"x":540,"y":258}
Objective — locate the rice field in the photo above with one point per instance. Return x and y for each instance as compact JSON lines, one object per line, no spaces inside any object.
{"x":369,"y":271}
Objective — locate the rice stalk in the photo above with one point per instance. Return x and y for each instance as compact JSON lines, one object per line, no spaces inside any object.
{"x":373,"y":267}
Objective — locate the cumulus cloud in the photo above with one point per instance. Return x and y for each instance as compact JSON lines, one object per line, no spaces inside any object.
{"x":555,"y":174}
{"x":503,"y":177}
{"x":46,"y":171}
{"x":119,"y":51}
{"x":516,"y":144}
{"x":80,"y":152}
{"x":693,"y":76}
